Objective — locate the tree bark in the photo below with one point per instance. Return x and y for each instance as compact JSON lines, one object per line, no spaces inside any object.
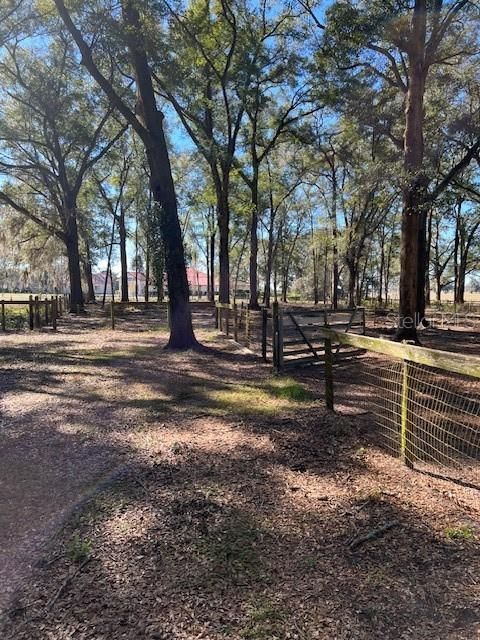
{"x":412,"y":253}
{"x":87,"y":267}
{"x":223,"y":218}
{"x":253,"y":271}
{"x":147,"y":121}
{"x":162,"y":188}
{"x":73,"y":255}
{"x":212,"y":267}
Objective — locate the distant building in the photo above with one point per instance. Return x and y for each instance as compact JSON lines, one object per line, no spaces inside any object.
{"x":99,"y":283}
{"x":198,"y":282}
{"x":136,"y":279}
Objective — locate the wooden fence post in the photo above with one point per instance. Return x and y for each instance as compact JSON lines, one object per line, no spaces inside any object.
{"x":46,"y":311}
{"x":363,"y":320}
{"x":405,"y":436}
{"x":277,"y":338}
{"x":247,"y":326}
{"x":54,"y":313}
{"x":217,"y":323}
{"x":275,"y":335}
{"x":38,"y":323}
{"x":4,"y":326}
{"x":329,"y":400}
{"x":112,"y":313}
{"x":30,"y":313}
{"x":227,"y":313}
{"x":264,"y":333}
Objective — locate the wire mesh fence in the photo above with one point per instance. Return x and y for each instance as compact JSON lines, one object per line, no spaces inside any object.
{"x":437,"y":414}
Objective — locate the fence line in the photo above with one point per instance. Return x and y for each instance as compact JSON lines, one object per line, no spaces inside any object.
{"x":286,"y":335}
{"x":425,"y":414}
{"x":40,"y":312}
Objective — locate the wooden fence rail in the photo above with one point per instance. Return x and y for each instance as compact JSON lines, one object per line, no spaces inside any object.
{"x":286,"y":335}
{"x":452,"y":412}
{"x":41,"y":313}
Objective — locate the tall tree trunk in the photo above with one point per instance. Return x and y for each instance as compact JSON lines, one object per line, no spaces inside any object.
{"x":122,"y":232}
{"x":223,"y":216}
{"x":212,"y":266}
{"x":87,"y":267}
{"x":439,"y":286}
{"x":270,"y":251}
{"x":207,"y":259}
{"x":136,"y":258}
{"x":147,"y":273}
{"x":455,"y":256}
{"x":352,"y":282}
{"x":314,"y":261}
{"x":325,"y":275}
{"x":427,"y":257}
{"x":333,"y":220}
{"x":73,"y":256}
{"x":381,"y":269}
{"x":162,"y":187}
{"x":412,"y":253}
{"x":422,"y":266}
{"x":253,"y":271}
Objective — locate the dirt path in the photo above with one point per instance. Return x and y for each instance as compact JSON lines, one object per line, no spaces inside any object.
{"x":234,"y":515}
{"x":65,"y":407}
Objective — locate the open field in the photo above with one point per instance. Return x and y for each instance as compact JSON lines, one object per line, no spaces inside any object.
{"x":194,"y":495}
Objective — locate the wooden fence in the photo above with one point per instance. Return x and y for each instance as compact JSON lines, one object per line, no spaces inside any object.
{"x":116,"y":309}
{"x":286,"y":335}
{"x":40,"y":313}
{"x":427,"y":415}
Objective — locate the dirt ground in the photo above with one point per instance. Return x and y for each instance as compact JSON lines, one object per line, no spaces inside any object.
{"x":153,"y":495}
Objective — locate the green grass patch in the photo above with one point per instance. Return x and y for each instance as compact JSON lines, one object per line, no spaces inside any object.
{"x":266,"y":620}
{"x":289,"y":389}
{"x":79,"y":549}
{"x":270,"y":398}
{"x":459,"y":533}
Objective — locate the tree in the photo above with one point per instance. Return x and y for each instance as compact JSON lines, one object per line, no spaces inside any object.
{"x":146,"y":121}
{"x":393,"y":48}
{"x":53,"y":132}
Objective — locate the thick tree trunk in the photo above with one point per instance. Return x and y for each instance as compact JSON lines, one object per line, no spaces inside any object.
{"x":223,"y":216}
{"x":422,"y":266}
{"x":73,"y":255}
{"x":412,"y":253}
{"x":162,"y":188}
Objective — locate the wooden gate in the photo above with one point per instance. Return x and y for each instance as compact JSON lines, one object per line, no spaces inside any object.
{"x":298,"y":339}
